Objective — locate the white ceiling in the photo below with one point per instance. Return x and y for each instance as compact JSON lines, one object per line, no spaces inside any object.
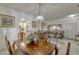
{"x":50,"y":11}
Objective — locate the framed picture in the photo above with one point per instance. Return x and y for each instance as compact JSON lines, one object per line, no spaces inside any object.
{"x":7,"y":21}
{"x":34,"y":24}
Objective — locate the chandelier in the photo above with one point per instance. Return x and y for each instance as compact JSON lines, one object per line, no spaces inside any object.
{"x":39,"y":17}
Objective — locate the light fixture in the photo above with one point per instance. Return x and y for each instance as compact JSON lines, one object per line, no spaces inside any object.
{"x":73,"y":15}
{"x":40,"y":17}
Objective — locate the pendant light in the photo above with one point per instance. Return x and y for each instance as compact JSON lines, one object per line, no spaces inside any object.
{"x":40,"y":17}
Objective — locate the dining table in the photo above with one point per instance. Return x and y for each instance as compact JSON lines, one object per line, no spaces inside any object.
{"x":42,"y":48}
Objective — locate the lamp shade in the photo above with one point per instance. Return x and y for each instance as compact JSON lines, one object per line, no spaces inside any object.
{"x":39,"y":17}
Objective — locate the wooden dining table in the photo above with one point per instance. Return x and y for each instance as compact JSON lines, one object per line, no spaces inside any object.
{"x":36,"y":49}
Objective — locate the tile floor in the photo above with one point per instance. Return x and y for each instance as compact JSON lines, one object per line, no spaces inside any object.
{"x":62,"y":46}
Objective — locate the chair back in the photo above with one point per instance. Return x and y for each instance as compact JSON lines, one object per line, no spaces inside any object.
{"x":21,"y":36}
{"x":8,"y":46}
{"x":68,"y":48}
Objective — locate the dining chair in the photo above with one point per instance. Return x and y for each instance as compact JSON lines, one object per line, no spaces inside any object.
{"x":11,"y":48}
{"x":68,"y":48}
{"x":21,"y":35}
{"x":16,"y":50}
{"x":8,"y":46}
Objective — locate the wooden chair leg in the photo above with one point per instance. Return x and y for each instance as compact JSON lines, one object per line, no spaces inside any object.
{"x":68,"y":48}
{"x":56,"y":50}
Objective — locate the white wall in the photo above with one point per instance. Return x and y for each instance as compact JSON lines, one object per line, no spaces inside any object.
{"x":69,"y":25}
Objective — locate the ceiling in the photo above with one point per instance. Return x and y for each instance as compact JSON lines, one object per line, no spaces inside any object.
{"x":50,"y":11}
